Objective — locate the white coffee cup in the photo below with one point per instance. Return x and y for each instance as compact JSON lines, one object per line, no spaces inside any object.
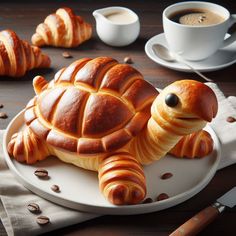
{"x":197,"y":42}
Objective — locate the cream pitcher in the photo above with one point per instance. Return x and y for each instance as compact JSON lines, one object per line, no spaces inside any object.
{"x":117,"y":26}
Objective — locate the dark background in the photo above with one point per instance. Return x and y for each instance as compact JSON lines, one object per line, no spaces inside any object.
{"x":24,"y":16}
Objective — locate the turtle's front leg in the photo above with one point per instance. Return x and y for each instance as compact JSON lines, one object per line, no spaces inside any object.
{"x":25,"y":146}
{"x":121,"y":179}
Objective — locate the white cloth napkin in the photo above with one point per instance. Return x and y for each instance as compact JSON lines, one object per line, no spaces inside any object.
{"x":14,"y":198}
{"x":16,"y":218}
{"x":225,"y":131}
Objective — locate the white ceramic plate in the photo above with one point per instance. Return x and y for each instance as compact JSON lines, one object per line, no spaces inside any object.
{"x":221,"y":59}
{"x":79,"y":188}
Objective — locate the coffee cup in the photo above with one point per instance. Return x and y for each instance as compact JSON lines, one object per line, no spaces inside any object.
{"x":197,"y":39}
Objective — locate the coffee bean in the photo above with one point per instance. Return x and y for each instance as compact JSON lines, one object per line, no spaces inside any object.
{"x":3,"y":115}
{"x":66,"y":55}
{"x":166,"y":175}
{"x":162,"y":196}
{"x":33,"y":207}
{"x":1,"y":105}
{"x":231,"y":119}
{"x":128,"y":60}
{"x":147,"y":200}
{"x":55,"y":188}
{"x":41,"y":173}
{"x":42,"y":220}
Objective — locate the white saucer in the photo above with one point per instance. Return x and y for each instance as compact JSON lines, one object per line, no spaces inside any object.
{"x":221,"y":59}
{"x":79,"y":187}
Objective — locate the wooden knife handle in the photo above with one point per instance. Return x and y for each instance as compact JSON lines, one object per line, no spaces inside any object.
{"x":197,"y":222}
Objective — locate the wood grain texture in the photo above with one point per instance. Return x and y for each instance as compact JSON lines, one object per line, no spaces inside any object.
{"x":23,"y":18}
{"x":198,"y":222}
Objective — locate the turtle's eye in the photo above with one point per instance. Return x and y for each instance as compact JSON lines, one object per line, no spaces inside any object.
{"x":171,"y":100}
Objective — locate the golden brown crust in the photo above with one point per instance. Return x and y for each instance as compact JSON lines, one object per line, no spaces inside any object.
{"x":138,"y":121}
{"x":59,"y":140}
{"x":69,"y":111}
{"x":85,"y":103}
{"x":104,"y":113}
{"x":48,"y":101}
{"x":196,"y":105}
{"x":119,"y":78}
{"x":39,"y":129}
{"x":93,"y":110}
{"x":121,"y":179}
{"x":196,"y":100}
{"x":62,"y":29}
{"x":17,"y":56}
{"x":92,"y":73}
{"x":90,"y":146}
{"x":196,"y":145}
{"x":140,"y":93}
{"x":68,"y":74}
{"x":116,"y":140}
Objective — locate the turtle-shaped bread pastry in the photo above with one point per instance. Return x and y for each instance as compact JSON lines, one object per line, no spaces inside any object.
{"x":103,"y":116}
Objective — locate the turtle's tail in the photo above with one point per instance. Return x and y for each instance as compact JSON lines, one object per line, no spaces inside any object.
{"x":25,"y":146}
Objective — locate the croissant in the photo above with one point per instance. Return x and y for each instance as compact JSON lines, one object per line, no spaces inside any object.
{"x":103,"y":116}
{"x":198,"y":144}
{"x":62,"y":29}
{"x":18,"y":56}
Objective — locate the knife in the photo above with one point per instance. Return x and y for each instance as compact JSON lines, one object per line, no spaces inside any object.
{"x":207,"y":215}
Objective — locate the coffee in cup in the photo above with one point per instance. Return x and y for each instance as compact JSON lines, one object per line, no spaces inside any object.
{"x":196,"y":17}
{"x":196,"y":30}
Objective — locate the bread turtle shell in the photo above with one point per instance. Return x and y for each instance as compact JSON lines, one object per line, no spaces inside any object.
{"x":92,"y":106}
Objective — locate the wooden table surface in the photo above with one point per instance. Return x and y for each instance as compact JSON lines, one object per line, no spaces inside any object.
{"x":25,"y":16}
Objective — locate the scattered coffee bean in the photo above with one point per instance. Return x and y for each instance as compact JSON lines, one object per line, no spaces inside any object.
{"x":42,"y":220}
{"x":33,"y":207}
{"x":3,"y":115}
{"x":147,"y":200}
{"x":66,"y":55}
{"x":41,"y":173}
{"x":231,"y":119}
{"x":128,"y":60}
{"x":55,"y":188}
{"x":162,"y":196}
{"x":1,"y":105}
{"x":166,"y":175}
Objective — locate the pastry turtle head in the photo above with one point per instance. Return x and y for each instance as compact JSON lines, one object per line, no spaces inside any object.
{"x":189,"y":99}
{"x":186,"y":103}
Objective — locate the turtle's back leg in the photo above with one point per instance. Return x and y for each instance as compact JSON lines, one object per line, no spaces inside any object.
{"x":198,"y":144}
{"x":25,"y":146}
